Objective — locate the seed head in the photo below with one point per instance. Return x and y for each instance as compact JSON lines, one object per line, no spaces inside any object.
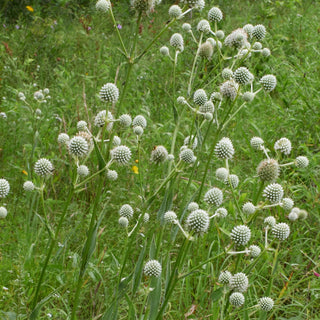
{"x":293,"y":216}
{"x":215,"y":14}
{"x":243,"y":76}
{"x":187,"y":156}
{"x":159,"y":154}
{"x":283,"y":145}
{"x":109,"y":93}
{"x":28,"y":186}
{"x":192,"y":206}
{"x":233,"y":181}
{"x":301,"y":162}
{"x":266,"y":52}
{"x":78,"y":146}
{"x":236,"y":39}
{"x":206,"y":50}
{"x":224,"y":149}
{"x":254,"y":251}
{"x":266,"y":304}
{"x":204,"y":26}
{"x":186,"y":27}
{"x":200,"y":97}
{"x":229,"y":89}
{"x":176,"y":41}
{"x":126,"y":211}
{"x":268,"y":82}
{"x":281,"y":231}
{"x":268,"y":170}
{"x":240,"y":235}
{"x":175,"y":11}
{"x":270,"y":221}
{"x":248,"y":28}
{"x":3,"y":212}
{"x":273,"y":192}
{"x":227,"y":74}
{"x":153,"y":268}
{"x":287,"y":204}
{"x":236,"y":299}
{"x":83,"y":171}
{"x":116,"y":141}
{"x":43,"y":167}
{"x":138,"y":130}
{"x":214,"y":197}
{"x":257,"y":46}
{"x":198,"y":221}
{"x":101,"y":119}
{"x":82,"y":125}
{"x":125,"y":120}
{"x":225,"y":277}
{"x":121,"y":155}
{"x":239,"y":282}
{"x":207,"y":107}
{"x":259,"y":32}
{"x":140,"y":121}
{"x":4,"y":188}
{"x":248,"y":208}
{"x":170,"y":217}
{"x":221,"y":213}
{"x":63,"y":138}
{"x":222,"y":174}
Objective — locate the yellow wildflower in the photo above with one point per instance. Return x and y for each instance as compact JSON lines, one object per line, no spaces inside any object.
{"x":135,"y":169}
{"x":25,"y":172}
{"x":29,"y":8}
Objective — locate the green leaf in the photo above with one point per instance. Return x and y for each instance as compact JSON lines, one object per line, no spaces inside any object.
{"x":101,"y":161}
{"x":154,"y":297}
{"x":138,"y":270}
{"x":216,"y":295}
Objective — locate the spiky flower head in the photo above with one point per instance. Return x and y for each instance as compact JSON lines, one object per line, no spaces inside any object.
{"x":143,"y":5}
{"x":207,"y":107}
{"x":214,"y":196}
{"x":257,"y":46}
{"x":287,"y":204}
{"x":146,"y":217}
{"x":153,"y":268}
{"x":237,"y":299}
{"x":109,"y":93}
{"x":204,"y":26}
{"x":259,"y":32}
{"x":103,"y":5}
{"x":121,"y":155}
{"x":28,"y":186}
{"x":125,"y":120}
{"x":229,"y":89}
{"x":186,"y":27}
{"x":123,"y":222}
{"x":200,"y":97}
{"x":268,"y":170}
{"x":220,"y":34}
{"x":266,"y":52}
{"x":233,"y":181}
{"x":270,"y":221}
{"x":240,"y":235}
{"x":3,"y":212}
{"x":248,"y":96}
{"x":243,"y":76}
{"x":256,"y":143}
{"x":87,"y":136}
{"x":225,"y":277}
{"x":239,"y":282}
{"x":83,"y":171}
{"x":248,"y":28}
{"x":176,"y":41}
{"x":187,"y":155}
{"x":198,"y":221}
{"x":301,"y":162}
{"x":236,"y":39}
{"x":101,"y":119}
{"x":4,"y":188}
{"x":224,"y":149}
{"x":191,"y":139}
{"x":199,"y":5}
{"x":138,"y":130}
{"x":159,"y":154}
{"x":222,"y":174}
{"x":281,"y":231}
{"x":266,"y":304}
{"x":273,"y":192}
{"x":43,"y":167}
{"x":215,"y":14}
{"x":293,"y":215}
{"x":112,"y":175}
{"x":248,"y":208}
{"x":164,"y":50}
{"x":254,"y":251}
{"x":82,"y":125}
{"x":283,"y":145}
{"x":175,"y":11}
{"x":140,"y":121}
{"x":221,"y":212}
{"x":170,"y":217}
{"x":78,"y":146}
{"x":303,"y":214}
{"x":63,"y":138}
{"x":215,"y":97}
{"x":116,"y":141}
{"x":192,"y":206}
{"x":268,"y":82}
{"x":126,"y":211}
{"x":227,"y":74}
{"x":206,"y":50}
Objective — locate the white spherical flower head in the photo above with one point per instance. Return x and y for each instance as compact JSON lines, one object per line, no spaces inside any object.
{"x":225,"y":277}
{"x":229,"y":89}
{"x":109,"y":93}
{"x":176,"y":41}
{"x":159,"y":154}
{"x":243,"y":76}
{"x":281,"y":231}
{"x":125,"y":120}
{"x":257,"y":46}
{"x":63,"y":138}
{"x":215,"y":97}
{"x":126,"y":211}
{"x":215,"y":14}
{"x":224,"y":149}
{"x":43,"y":167}
{"x":192,"y":206}
{"x":123,"y":222}
{"x":200,"y":97}
{"x":233,"y":181}
{"x":164,"y":51}
{"x":191,"y":141}
{"x":175,"y":11}
{"x":121,"y":155}
{"x":153,"y":269}
{"x":78,"y":146}
{"x":293,"y":216}
{"x":103,"y":5}
{"x":266,"y":304}
{"x":254,"y":251}
{"x":240,"y":235}
{"x":138,"y":130}
{"x":266,"y":52}
{"x":112,"y":175}
{"x":273,"y":192}
{"x":303,"y":214}
{"x":268,"y":82}
{"x":237,"y":299}
{"x":116,"y":141}
{"x":220,"y":34}
{"x":239,"y":282}
{"x":198,"y":221}
{"x":206,"y":50}
{"x":287,"y":204}
{"x":301,"y":162}
{"x":82,"y":125}
{"x":101,"y":119}
{"x":143,"y":5}
{"x":248,"y":96}
{"x":28,"y":186}
{"x":214,"y":196}
{"x":139,"y":121}
{"x":187,"y":155}
{"x":207,"y":107}
{"x":3,"y":212}
{"x":248,"y":208}
{"x":259,"y":32}
{"x":268,"y":170}
{"x":237,"y":39}
{"x":222,"y":174}
{"x":170,"y":217}
{"x":4,"y":188}
{"x":221,"y":212}
{"x":248,"y":28}
{"x":227,"y":74}
{"x":186,"y":27}
{"x":146,"y":217}
{"x":270,"y":221}
{"x":83,"y":171}
{"x":283,"y":145}
{"x":256,"y":143}
{"x":204,"y":26}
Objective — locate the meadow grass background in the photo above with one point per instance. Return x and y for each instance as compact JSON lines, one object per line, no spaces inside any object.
{"x":76,"y":49}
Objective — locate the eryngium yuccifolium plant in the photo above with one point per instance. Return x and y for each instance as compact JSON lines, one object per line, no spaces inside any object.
{"x":63,"y":138}
{"x":191,"y":139}
{"x":215,"y":14}
{"x":164,"y":50}
{"x":248,"y":208}
{"x":259,"y":32}
{"x":215,"y":97}
{"x":266,"y":303}
{"x":200,"y":97}
{"x":139,"y":121}
{"x":78,"y":146}
{"x":273,"y":192}
{"x":225,"y":277}
{"x":266,"y":52}
{"x":268,"y":170}
{"x":170,"y":217}
{"x":28,"y":186}
{"x":4,"y":188}
{"x":220,"y":34}
{"x":207,"y":107}
{"x":125,"y":120}
{"x":187,"y":156}
{"x":146,"y":217}
{"x":153,"y":268}
{"x":121,"y":155}
{"x":112,"y":175}
{"x":248,"y":28}
{"x":287,"y":204}
{"x":206,"y":50}
{"x":224,"y":149}
{"x":303,"y":214}
{"x":83,"y":171}
{"x":254,"y":251}
{"x":229,"y":89}
{"x":186,"y":27}
{"x":236,"y":39}
{"x":116,"y":141}
{"x":214,"y":196}
{"x":175,"y":11}
{"x":103,"y":5}
{"x":123,"y":222}
{"x":270,"y":221}
{"x":227,"y":74}
{"x":221,"y":212}
{"x":236,"y":299}
{"x":176,"y":41}
{"x":256,"y":143}
{"x":243,"y":76}
{"x":82,"y":125}
{"x":281,"y":231}
{"x":222,"y":174}
{"x":257,"y":46}
{"x":283,"y":145}
{"x":192,"y":206}
{"x":138,"y":130}
{"x":3,"y":212}
{"x":100,"y":119}
{"x":126,"y":211}
{"x":198,"y":221}
{"x":204,"y":26}
{"x":109,"y":93}
{"x":43,"y":167}
{"x":233,"y":180}
{"x":159,"y":154}
{"x":240,"y":235}
{"x":301,"y":162}
{"x":268,"y":82}
{"x":293,"y":216}
{"x":239,"y":282}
